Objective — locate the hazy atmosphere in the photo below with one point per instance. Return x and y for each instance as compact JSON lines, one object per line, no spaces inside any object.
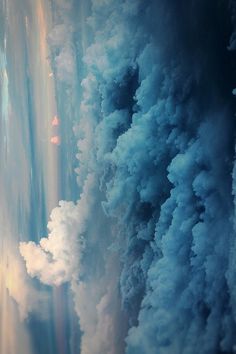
{"x":117,"y":177}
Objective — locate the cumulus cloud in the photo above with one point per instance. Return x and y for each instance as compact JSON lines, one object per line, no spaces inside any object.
{"x":57,"y":257}
{"x":97,"y":303}
{"x":159,"y":139}
{"x":164,"y":171}
{"x":76,"y":251}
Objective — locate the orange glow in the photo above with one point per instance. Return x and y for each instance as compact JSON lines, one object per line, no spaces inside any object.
{"x":56,"y":140}
{"x":55,"y":121}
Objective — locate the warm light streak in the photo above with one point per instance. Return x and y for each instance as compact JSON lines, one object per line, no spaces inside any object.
{"x":56,"y":140}
{"x":55,"y":121}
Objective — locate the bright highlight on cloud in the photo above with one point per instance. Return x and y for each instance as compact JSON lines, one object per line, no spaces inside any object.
{"x":57,"y":257}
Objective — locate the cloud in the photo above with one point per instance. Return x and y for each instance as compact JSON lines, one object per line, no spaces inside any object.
{"x":76,"y":251}
{"x":65,"y":64}
{"x":97,"y":303}
{"x":165,"y":175}
{"x":57,"y":257}
{"x":154,"y":247}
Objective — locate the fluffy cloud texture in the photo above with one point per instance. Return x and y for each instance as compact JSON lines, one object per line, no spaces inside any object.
{"x":154,"y":250}
{"x":57,"y":257}
{"x":97,"y":303}
{"x":165,"y":172}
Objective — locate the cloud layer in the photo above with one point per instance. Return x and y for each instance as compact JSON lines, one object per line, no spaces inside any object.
{"x":150,"y":243}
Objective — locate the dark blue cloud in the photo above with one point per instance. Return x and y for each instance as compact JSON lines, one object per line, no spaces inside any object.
{"x":158,"y":103}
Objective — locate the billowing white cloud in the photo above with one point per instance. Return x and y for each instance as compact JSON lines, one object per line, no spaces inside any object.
{"x":56,"y":259}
